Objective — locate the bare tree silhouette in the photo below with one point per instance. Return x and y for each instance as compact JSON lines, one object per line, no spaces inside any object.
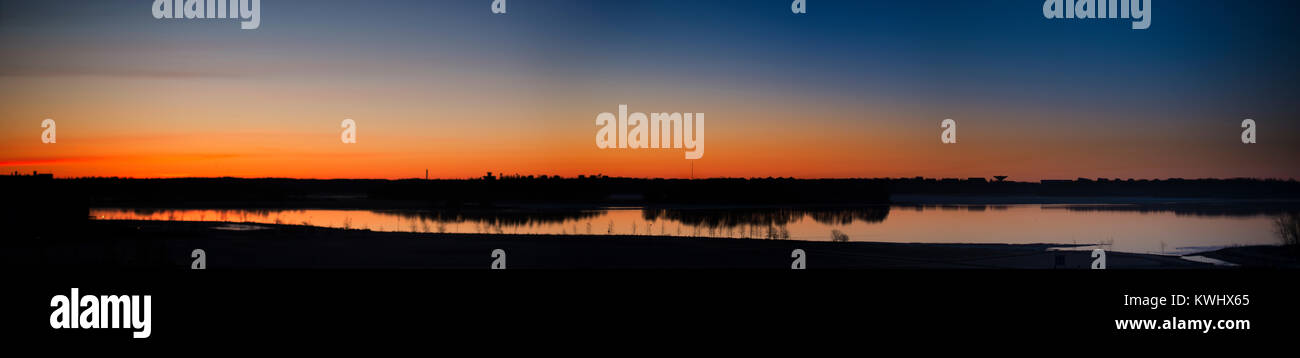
{"x":1288,"y":228}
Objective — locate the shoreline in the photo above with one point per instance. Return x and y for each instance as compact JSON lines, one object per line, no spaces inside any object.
{"x":167,"y":245}
{"x":925,"y":199}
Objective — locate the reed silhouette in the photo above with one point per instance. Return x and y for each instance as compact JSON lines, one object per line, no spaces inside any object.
{"x":1288,"y":228}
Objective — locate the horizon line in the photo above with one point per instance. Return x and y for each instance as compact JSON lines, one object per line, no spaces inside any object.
{"x":990,"y":179}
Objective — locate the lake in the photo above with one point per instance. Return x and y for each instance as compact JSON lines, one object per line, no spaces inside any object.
{"x":1126,"y":228}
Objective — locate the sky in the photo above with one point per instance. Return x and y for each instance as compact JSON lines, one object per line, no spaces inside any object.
{"x":849,"y":89}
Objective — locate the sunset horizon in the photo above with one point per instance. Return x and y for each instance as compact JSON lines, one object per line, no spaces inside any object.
{"x":797,"y":97}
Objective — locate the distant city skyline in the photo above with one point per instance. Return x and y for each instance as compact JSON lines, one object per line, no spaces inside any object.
{"x":852,"y":89}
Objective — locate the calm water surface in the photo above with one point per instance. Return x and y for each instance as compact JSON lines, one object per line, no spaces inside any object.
{"x":1118,"y":228}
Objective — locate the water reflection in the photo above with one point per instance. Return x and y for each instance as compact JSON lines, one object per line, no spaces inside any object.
{"x":496,"y":217}
{"x":951,"y":207}
{"x":771,"y":223}
{"x":1188,"y":209}
{"x":767,"y":216}
{"x":1171,"y":229}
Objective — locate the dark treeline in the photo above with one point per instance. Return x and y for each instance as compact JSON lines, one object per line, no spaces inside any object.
{"x":496,"y":191}
{"x":640,"y":191}
{"x":1242,"y":188}
{"x":413,"y":193}
{"x":38,"y":204}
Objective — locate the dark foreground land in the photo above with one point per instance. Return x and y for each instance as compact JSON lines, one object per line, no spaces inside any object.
{"x":1259,"y":256}
{"x":150,"y":244}
{"x":47,"y":224}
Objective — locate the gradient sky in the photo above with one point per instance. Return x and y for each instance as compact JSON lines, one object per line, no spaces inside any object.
{"x":851,"y":89}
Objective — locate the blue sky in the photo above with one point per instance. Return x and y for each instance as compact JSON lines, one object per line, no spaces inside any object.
{"x":1198,"y":70}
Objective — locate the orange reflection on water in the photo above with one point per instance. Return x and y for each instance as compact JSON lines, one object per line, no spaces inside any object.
{"x":1127,"y":231}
